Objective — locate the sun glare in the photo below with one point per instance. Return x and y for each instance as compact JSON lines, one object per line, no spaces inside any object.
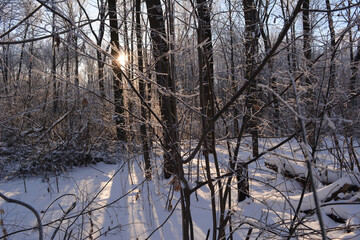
{"x":122,"y":59}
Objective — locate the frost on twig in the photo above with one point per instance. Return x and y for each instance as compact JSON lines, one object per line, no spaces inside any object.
{"x":39,"y":226}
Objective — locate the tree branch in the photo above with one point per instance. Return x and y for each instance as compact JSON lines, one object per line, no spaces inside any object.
{"x":39,"y":226}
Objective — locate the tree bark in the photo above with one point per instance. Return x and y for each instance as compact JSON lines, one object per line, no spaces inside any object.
{"x":232,"y":71}
{"x":167,"y":101}
{"x":354,"y":75}
{"x":251,"y":45}
{"x":4,"y":68}
{"x":55,"y":41}
{"x":273,"y":81}
{"x":76,"y":80}
{"x":17,"y":83}
{"x":249,"y":120}
{"x":100,"y":60}
{"x":117,"y":78}
{"x":206,"y":70}
{"x":143,"y":128}
{"x":306,"y":33}
{"x":207,"y":99}
{"x":172,"y":158}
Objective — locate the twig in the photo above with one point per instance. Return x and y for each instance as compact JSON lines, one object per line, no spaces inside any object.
{"x":73,"y":205}
{"x":309,"y":159}
{"x":59,"y":120}
{"x":97,"y":194}
{"x":296,"y":214}
{"x":162,"y":224}
{"x":252,"y":78}
{"x":39,"y":226}
{"x":79,"y":214}
{"x":64,"y":195}
{"x":22,"y":21}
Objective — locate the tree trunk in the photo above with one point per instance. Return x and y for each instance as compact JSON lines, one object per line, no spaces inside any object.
{"x":117,"y":78}
{"x":17,"y":81}
{"x":76,"y":80}
{"x":101,"y":73}
{"x":355,"y":60}
{"x":306,"y":32}
{"x":29,"y":81}
{"x":251,"y":44}
{"x":167,"y":101}
{"x":232,"y":72}
{"x":273,"y":81}
{"x":100,"y":60}
{"x":207,"y":100}
{"x":143,"y":128}
{"x":331,"y":82}
{"x":55,"y":41}
{"x":5,"y":69}
{"x":127,"y":70}
{"x":309,"y":97}
{"x":206,"y":70}
{"x":172,"y":158}
{"x":332,"y":42}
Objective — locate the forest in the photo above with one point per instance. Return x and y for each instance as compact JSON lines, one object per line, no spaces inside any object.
{"x":179,"y":119}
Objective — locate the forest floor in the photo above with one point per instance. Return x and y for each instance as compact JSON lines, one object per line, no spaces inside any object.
{"x":115,"y":201}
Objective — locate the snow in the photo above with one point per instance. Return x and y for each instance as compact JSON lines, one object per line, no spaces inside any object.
{"x":115,"y":201}
{"x":135,"y":215}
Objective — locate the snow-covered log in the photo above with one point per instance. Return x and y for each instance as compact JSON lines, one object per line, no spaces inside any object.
{"x":288,"y":169}
{"x":325,"y":194}
{"x":293,"y":169}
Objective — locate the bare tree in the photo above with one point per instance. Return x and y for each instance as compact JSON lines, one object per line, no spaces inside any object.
{"x":55,"y":43}
{"x":117,"y":78}
{"x":142,"y":85}
{"x":207,"y":94}
{"x":167,"y":100}
{"x":252,"y":106}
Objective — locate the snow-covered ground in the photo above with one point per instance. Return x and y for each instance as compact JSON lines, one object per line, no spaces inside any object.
{"x":115,"y":201}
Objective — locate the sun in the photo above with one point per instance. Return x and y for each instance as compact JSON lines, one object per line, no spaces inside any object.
{"x":122,"y":59}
